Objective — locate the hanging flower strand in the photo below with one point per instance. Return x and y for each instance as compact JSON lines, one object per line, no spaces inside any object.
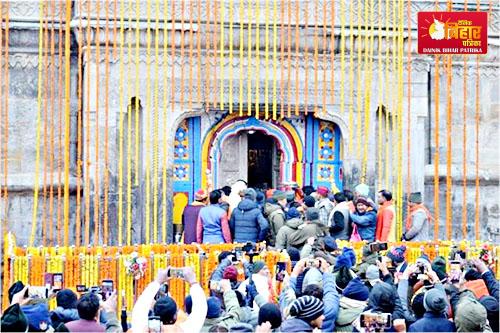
{"x":135,"y":265}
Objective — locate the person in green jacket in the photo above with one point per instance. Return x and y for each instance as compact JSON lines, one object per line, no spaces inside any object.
{"x":215,"y":315}
{"x":353,"y":301}
{"x":291,"y":225}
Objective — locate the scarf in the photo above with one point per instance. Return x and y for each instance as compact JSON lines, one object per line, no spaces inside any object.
{"x":409,"y":218}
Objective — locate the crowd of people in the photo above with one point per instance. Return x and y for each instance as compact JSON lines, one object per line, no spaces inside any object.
{"x":327,"y":289}
{"x":288,"y":216}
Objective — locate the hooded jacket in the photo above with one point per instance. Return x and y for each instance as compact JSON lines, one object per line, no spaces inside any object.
{"x":283,"y":236}
{"x":276,"y":218}
{"x":309,"y":229}
{"x":349,"y":310}
{"x":384,"y":298}
{"x":247,"y":223}
{"x":433,"y":322}
{"x":61,"y":316}
{"x":366,"y":223}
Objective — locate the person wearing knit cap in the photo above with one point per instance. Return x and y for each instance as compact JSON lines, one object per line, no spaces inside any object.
{"x":396,"y":255}
{"x":190,"y":216}
{"x":439,"y":266}
{"x":291,"y":225}
{"x":352,"y":303}
{"x":230,"y":273}
{"x":418,"y":220}
{"x":365,"y":218}
{"x":275,"y":214}
{"x":435,"y":318}
{"x":362,"y":190}
{"x":215,"y":314}
{"x":324,"y":204}
{"x":312,"y":227}
{"x":372,"y":275}
{"x":309,"y":201}
{"x":306,"y":314}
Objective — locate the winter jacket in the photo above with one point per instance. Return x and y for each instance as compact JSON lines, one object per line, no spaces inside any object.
{"x":309,"y":229}
{"x":338,"y":221}
{"x":213,"y":227}
{"x":229,"y":317}
{"x":61,"y":316}
{"x":189,"y":221}
{"x":491,"y":283}
{"x":432,"y":322}
{"x":276,"y":218}
{"x":384,"y":298}
{"x":386,"y":224}
{"x":325,"y":206}
{"x":419,"y":231}
{"x":366,"y":223}
{"x":295,"y":325}
{"x":282,"y":238}
{"x":331,"y":299}
{"x":247,"y":223}
{"x":367,"y":261}
{"x":349,"y":310}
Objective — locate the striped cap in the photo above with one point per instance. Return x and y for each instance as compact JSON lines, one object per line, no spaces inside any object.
{"x":307,"y":308}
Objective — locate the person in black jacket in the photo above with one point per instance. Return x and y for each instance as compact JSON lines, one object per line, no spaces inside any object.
{"x":247,"y":222}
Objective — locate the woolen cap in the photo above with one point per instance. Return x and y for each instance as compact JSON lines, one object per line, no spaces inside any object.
{"x":200,"y":195}
{"x":214,"y":307}
{"x":435,"y":301}
{"x":307,"y":308}
{"x":312,"y":214}
{"x":322,"y":190}
{"x":362,"y":189}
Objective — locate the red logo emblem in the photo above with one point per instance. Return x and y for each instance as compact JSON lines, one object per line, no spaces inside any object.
{"x":452,"y":32}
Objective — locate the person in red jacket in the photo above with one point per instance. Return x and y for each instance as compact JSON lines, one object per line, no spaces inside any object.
{"x":386,"y":228}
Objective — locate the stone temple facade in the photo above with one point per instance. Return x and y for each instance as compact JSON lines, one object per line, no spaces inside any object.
{"x":201,"y":143}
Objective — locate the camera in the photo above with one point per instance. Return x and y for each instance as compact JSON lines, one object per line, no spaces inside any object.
{"x":375,"y":321}
{"x":176,"y":272}
{"x":377,"y":247}
{"x":313,"y":263}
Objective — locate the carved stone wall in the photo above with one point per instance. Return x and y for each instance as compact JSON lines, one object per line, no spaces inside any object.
{"x":23,"y":67}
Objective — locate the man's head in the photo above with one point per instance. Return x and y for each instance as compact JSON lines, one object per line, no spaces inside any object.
{"x":417,"y":305}
{"x":271,"y":313}
{"x":307,"y":190}
{"x":322,"y":191}
{"x":214,"y":197}
{"x":280,"y":197}
{"x":362,"y":205}
{"x":66,"y":299}
{"x":14,"y":320}
{"x":166,"y":308}
{"x":14,"y":289}
{"x":200,"y":195}
{"x":312,"y":214}
{"x":435,"y":301}
{"x":310,"y":309}
{"x":349,"y":196}
{"x":226,"y":189}
{"x":339,"y":197}
{"x":214,"y":307}
{"x":362,"y":190}
{"x":259,"y":267}
{"x":383,"y":196}
{"x":309,"y":201}
{"x":397,"y":254}
{"x":88,"y":306}
{"x":414,"y":199}
{"x":250,"y":194}
{"x":314,"y":290}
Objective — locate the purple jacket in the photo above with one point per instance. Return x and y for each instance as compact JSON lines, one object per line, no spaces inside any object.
{"x":189,"y":219}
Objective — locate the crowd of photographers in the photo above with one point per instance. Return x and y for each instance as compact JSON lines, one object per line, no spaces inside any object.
{"x":327,"y":290}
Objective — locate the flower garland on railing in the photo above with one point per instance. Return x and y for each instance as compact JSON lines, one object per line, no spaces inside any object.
{"x":90,"y":265}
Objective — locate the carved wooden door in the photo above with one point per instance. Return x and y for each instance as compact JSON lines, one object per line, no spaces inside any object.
{"x":233,"y":164}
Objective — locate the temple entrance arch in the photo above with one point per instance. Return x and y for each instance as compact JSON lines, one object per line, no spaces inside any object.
{"x":251,"y":155}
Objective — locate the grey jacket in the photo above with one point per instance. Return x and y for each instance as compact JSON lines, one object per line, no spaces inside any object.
{"x":419,"y":231}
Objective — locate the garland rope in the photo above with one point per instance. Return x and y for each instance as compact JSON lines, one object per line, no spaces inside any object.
{"x":148,"y":107}
{"x":97,"y":143}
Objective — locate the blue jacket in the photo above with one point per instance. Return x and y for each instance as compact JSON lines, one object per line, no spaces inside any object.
{"x":432,"y":322}
{"x":247,"y":223}
{"x":295,"y":325}
{"x":211,"y":217}
{"x":331,"y":300}
{"x":366,"y":224}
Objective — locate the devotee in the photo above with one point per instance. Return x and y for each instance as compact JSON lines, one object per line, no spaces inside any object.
{"x":89,"y":308}
{"x":386,"y":226}
{"x":418,"y":220}
{"x":212,"y":225}
{"x":338,"y":220}
{"x":294,"y":220}
{"x":365,"y":218}
{"x":166,"y":308}
{"x":190,"y":216}
{"x":274,"y":211}
{"x":247,"y":222}
{"x":324,"y":204}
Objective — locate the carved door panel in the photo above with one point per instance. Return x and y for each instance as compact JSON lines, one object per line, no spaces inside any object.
{"x":233,"y":164}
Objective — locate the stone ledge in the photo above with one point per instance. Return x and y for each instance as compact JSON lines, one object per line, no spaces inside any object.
{"x":23,"y":182}
{"x":485,"y":176}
